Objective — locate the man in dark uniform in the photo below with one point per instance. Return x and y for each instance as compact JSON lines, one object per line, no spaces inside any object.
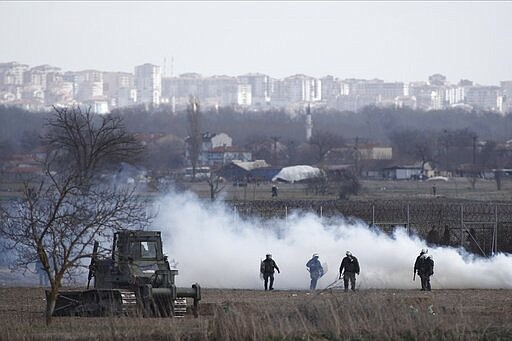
{"x":351,"y":267}
{"x":274,"y":191}
{"x":267,"y":268}
{"x":424,"y":267}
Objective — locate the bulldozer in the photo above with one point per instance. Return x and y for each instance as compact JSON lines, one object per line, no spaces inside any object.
{"x":136,"y":280}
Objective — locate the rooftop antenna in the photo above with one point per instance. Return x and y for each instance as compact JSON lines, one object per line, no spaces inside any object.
{"x":165,"y":67}
{"x":172,"y":66}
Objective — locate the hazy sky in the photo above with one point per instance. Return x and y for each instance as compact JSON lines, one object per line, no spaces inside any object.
{"x":387,"y":40}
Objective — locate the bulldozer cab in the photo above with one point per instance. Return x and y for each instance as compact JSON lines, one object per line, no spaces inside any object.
{"x":143,"y":249}
{"x":137,"y":246}
{"x":136,"y":257}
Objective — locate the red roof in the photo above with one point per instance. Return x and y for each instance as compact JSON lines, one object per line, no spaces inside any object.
{"x":224,"y":149}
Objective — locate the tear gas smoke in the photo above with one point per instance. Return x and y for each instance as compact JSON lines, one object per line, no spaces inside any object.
{"x":214,"y":247}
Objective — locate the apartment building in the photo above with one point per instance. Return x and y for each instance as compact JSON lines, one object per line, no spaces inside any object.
{"x":11,"y":74}
{"x":244,"y":95}
{"x":119,"y":87}
{"x":261,"y":87}
{"x":148,"y":83}
{"x":485,"y":98}
{"x":302,"y":88}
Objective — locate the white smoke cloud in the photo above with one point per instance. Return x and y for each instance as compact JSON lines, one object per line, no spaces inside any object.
{"x":217,"y":249}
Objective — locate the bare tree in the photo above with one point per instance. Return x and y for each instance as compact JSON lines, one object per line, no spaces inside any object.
{"x":496,"y":158}
{"x":216,"y":184}
{"x":194,"y":139}
{"x":414,"y":145}
{"x":58,"y":216}
{"x":85,"y":143}
{"x":323,"y":142}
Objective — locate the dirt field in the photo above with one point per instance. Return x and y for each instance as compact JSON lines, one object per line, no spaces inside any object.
{"x":250,"y":314}
{"x":455,"y":188}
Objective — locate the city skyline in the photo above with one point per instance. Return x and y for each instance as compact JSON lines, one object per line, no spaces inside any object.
{"x":392,"y":41}
{"x":35,"y":87}
{"x":250,"y":72}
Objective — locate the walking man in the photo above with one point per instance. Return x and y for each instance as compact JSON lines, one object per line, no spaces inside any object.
{"x":351,"y":267}
{"x":267,"y":269}
{"x":315,"y":270}
{"x":424,"y":267}
{"x":274,"y":191}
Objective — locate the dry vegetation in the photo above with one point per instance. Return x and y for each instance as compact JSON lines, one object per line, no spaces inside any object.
{"x":249,"y":314}
{"x":455,"y":188}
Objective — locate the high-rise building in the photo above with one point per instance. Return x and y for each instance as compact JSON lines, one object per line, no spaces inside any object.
{"x":119,"y":88}
{"x":506,"y":90}
{"x":219,"y":91}
{"x":12,"y":73}
{"x":485,"y":98}
{"x":88,"y":84}
{"x":331,"y":90}
{"x":244,"y":95}
{"x":261,"y":87}
{"x":148,"y":82}
{"x":302,"y":88}
{"x":428,"y":97}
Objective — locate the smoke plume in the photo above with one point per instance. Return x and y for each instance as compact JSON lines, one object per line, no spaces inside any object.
{"x":211,"y":245}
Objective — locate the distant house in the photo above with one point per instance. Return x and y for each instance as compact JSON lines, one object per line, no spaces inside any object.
{"x":371,"y":152}
{"x":219,"y":156}
{"x":407,"y":172}
{"x":208,"y":143}
{"x":24,"y":166}
{"x":243,"y":170}
{"x":338,"y":170}
{"x":263,"y":174}
{"x":374,"y":169}
{"x":367,"y":152}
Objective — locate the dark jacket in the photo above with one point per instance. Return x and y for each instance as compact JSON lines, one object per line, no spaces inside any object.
{"x":314,"y":264}
{"x":424,"y":265}
{"x":350,"y":264}
{"x":315,"y":267}
{"x":268,"y":266}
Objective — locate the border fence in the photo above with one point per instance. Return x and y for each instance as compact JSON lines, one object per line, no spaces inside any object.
{"x":480,"y":227}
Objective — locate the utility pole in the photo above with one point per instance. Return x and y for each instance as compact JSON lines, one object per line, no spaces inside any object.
{"x":474,"y":149}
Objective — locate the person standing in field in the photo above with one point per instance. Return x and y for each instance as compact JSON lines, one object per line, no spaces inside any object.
{"x":315,"y":271}
{"x":349,"y":268}
{"x":424,"y":267}
{"x":267,"y":269}
{"x":274,"y":191}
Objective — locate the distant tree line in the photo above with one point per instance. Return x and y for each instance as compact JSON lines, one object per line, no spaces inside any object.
{"x":445,"y":137}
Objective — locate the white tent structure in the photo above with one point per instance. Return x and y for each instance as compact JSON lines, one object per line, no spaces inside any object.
{"x":297,"y":173}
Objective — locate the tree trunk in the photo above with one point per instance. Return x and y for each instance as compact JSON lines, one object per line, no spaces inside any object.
{"x":212,"y":192}
{"x":497,"y":176}
{"x":51,"y":299}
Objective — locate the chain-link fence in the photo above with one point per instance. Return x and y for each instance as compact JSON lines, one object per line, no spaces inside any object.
{"x":481,"y":227}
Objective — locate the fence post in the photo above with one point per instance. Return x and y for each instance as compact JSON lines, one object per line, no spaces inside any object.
{"x":462,"y":225}
{"x":286,"y":214}
{"x":373,"y":215}
{"x":321,"y":212}
{"x":495,"y":250}
{"x":408,"y":219}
